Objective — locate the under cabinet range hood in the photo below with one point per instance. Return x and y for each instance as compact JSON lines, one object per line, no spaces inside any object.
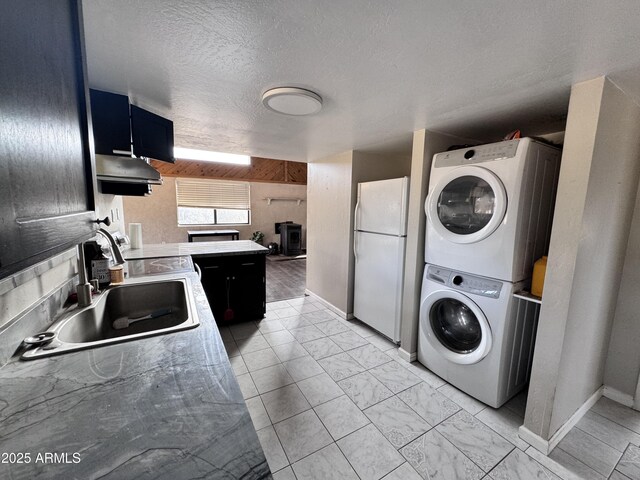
{"x":126,"y":170}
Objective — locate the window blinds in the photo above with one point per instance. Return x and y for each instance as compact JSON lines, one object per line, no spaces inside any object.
{"x":212,"y":194}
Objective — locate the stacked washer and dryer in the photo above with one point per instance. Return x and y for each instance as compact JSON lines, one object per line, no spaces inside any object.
{"x":489,"y":214}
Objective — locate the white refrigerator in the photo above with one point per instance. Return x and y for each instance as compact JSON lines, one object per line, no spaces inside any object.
{"x":378,"y":246}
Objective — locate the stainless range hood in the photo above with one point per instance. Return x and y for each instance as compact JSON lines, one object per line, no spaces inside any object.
{"x":131,"y":170}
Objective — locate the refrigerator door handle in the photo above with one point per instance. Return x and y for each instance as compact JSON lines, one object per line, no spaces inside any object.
{"x":355,"y":214}
{"x":355,"y":246}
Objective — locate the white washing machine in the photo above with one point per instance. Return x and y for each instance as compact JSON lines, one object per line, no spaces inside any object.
{"x":475,"y":335}
{"x":489,"y":208}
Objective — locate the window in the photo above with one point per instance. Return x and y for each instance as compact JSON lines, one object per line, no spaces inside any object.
{"x":212,"y":202}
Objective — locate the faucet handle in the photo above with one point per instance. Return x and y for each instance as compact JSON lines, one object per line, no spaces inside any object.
{"x":105,"y":220}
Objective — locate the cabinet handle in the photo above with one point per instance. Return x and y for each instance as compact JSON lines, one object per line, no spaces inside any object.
{"x":247,"y":264}
{"x":121,"y":152}
{"x":211,"y":267}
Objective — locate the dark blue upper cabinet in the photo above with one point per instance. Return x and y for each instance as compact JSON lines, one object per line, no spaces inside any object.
{"x":152,"y":135}
{"x":111,"y":129}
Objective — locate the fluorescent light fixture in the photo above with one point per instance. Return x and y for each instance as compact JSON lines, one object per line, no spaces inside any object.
{"x":209,"y":156}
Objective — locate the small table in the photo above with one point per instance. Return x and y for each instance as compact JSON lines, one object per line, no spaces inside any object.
{"x":234,"y":234}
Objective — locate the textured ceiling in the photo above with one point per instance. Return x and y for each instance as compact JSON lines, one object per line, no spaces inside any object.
{"x":384,"y":69}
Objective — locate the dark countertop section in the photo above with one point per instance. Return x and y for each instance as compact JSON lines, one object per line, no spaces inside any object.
{"x":164,"y":407}
{"x":197,"y":249}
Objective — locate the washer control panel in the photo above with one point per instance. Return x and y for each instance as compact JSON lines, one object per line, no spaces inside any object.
{"x":479,"y":154}
{"x":464,"y":282}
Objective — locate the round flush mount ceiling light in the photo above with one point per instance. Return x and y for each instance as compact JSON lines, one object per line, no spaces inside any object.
{"x":292,"y":101}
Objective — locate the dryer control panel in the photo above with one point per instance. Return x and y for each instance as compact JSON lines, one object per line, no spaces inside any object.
{"x":464,"y":282}
{"x":479,"y":154}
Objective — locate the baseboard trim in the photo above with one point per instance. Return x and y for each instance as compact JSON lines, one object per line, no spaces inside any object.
{"x":330,"y":306}
{"x":406,"y":356}
{"x":617,"y":396}
{"x":547,"y":446}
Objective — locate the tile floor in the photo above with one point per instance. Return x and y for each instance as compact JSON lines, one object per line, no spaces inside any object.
{"x":285,"y":279}
{"x":331,"y":399}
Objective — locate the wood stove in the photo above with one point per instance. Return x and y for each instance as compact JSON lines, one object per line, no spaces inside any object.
{"x":291,"y":239}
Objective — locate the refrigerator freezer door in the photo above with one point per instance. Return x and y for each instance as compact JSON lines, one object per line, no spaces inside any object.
{"x":382,"y":206}
{"x":379,"y":272}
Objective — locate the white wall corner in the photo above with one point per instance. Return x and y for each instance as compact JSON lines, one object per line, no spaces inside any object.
{"x":618,"y":396}
{"x":406,"y":356}
{"x":333,"y":308}
{"x":547,"y":446}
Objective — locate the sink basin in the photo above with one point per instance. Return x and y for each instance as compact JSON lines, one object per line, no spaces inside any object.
{"x":92,"y":326}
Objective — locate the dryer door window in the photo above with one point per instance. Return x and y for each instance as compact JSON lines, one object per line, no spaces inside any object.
{"x":455,"y":325}
{"x":466,"y":205}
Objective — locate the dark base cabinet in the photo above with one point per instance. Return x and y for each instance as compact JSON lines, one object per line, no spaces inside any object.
{"x":235,"y":286}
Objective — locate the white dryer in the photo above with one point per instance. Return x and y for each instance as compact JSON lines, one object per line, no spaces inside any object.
{"x":489,"y":208}
{"x":475,"y":335}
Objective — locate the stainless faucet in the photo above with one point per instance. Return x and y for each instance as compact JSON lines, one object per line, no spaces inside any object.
{"x":84,"y":288}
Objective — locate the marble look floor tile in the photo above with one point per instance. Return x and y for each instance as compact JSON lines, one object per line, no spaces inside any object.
{"x":270,"y":326}
{"x":348,"y":340}
{"x":238,"y":365}
{"x":435,"y":458}
{"x":321,"y":348}
{"x":394,"y":376}
{"x":609,"y":432}
{"x":293,"y":302}
{"x":284,"y":402}
{"x":427,"y":402}
{"x":369,"y":356}
{"x":332,"y":327}
{"x":518,"y":465}
{"x":289,"y":351}
{"x":555,"y":467}
{"x":243,"y":330}
{"x":320,"y":389}
{"x":284,"y":474}
{"x":382,"y":343}
{"x":309,"y":307}
{"x":279,"y":338}
{"x":370,"y":454}
{"x":231,"y":348}
{"x":341,"y":417}
{"x":590,"y":451}
{"x":518,"y":404}
{"x":340,"y":366}
{"x":397,"y":422}
{"x":620,"y":414}
{"x":304,"y":367}
{"x":629,"y":464}
{"x":364,"y":389}
{"x":463,"y":400}
{"x":258,"y":413}
{"x":225,"y":333}
{"x":362,"y":329}
{"x":505,"y":422}
{"x":260,"y":359}
{"x":302,"y":435}
{"x":403,"y":472}
{"x":269,"y":315}
{"x":424,"y":374}
{"x":272,"y":449}
{"x":276,"y":305}
{"x":286,"y":312}
{"x":320,"y":316}
{"x":294,"y":322}
{"x":473,"y":438}
{"x":574,"y":467}
{"x":253,"y":344}
{"x":270,"y":378}
{"x":307,"y":334}
{"x":247,"y":386}
{"x":326,"y":464}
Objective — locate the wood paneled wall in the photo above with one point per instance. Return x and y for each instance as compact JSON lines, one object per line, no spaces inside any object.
{"x":260,"y":170}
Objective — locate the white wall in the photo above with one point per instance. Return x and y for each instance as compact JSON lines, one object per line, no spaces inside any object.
{"x":329,"y":226}
{"x":623,"y":361}
{"x":596,"y":193}
{"x":159,"y":218}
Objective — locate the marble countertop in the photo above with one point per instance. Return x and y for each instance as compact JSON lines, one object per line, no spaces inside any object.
{"x":164,"y":407}
{"x":231,"y":247}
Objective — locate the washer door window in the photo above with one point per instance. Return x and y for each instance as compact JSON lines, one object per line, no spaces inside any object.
{"x":467,"y":205}
{"x":455,"y":326}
